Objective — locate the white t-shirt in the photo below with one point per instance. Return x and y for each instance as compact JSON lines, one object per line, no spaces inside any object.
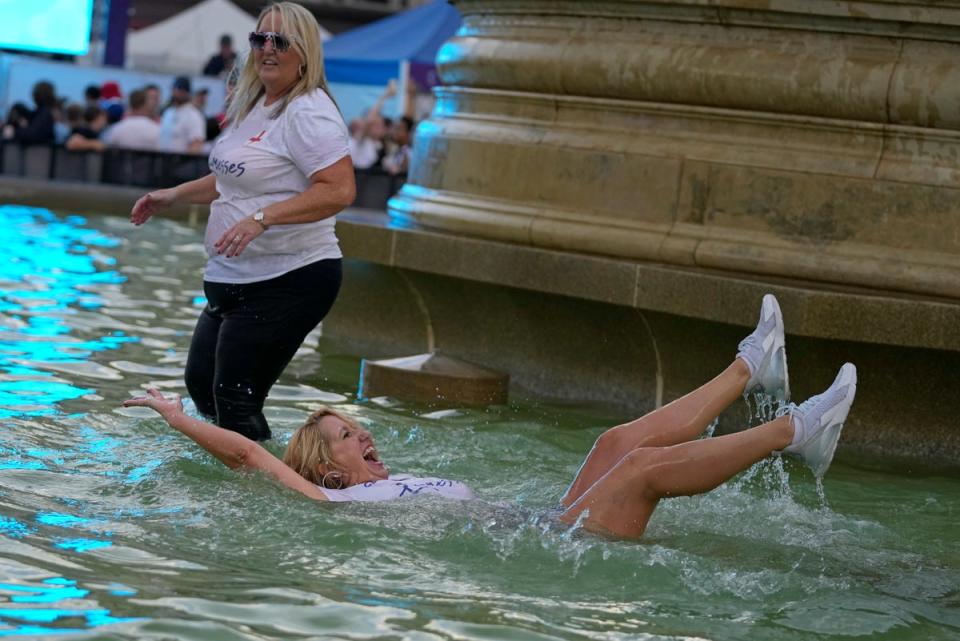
{"x":401,"y":486}
{"x":180,"y":126}
{"x":365,"y":152}
{"x":262,"y":161}
{"x":133,"y":132}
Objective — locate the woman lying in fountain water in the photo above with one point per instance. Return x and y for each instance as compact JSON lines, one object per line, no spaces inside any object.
{"x":630,"y":468}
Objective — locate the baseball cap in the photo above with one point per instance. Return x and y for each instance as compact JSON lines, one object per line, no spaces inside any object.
{"x":182,"y":83}
{"x":110,"y":90}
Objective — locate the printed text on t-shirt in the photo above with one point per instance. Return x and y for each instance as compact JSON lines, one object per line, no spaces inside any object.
{"x":224,"y":167}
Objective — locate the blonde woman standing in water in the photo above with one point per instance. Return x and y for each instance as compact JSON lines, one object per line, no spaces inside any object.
{"x":280,"y":172}
{"x":629,"y":470}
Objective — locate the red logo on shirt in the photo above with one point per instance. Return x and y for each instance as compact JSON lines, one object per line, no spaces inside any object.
{"x":259,"y":136}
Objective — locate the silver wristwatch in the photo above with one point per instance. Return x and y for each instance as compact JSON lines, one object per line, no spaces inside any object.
{"x":259,"y":218}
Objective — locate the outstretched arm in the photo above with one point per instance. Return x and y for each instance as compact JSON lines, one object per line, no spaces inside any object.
{"x":201,"y":191}
{"x":388,"y":92}
{"x":232,"y":449}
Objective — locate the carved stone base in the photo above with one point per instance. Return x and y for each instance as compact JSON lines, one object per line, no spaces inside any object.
{"x":815,"y":140}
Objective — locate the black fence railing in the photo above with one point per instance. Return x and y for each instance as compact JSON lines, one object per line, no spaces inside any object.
{"x":151,"y":169}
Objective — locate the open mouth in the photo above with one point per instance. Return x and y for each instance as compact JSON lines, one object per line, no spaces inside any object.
{"x":370,"y":456}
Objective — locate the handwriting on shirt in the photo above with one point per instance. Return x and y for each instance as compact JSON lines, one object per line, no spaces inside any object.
{"x":406,"y":489}
{"x":227,"y":168}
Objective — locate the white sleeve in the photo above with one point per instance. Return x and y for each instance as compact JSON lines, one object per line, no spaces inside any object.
{"x":316,"y":137}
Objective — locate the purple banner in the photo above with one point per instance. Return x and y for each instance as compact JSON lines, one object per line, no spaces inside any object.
{"x":425,"y":74}
{"x":116,"y":36}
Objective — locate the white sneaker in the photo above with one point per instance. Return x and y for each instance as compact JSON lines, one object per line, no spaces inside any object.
{"x":817,"y":421}
{"x":765,"y":353}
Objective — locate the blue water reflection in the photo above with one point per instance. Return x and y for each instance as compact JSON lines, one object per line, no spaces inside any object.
{"x":23,"y":620}
{"x":50,"y":268}
{"x":47,"y":267}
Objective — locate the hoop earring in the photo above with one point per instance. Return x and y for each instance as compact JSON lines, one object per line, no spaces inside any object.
{"x":300,"y":69}
{"x":332,"y":481}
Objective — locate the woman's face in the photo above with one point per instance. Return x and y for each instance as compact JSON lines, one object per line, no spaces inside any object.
{"x":278,"y":70}
{"x":352,"y":451}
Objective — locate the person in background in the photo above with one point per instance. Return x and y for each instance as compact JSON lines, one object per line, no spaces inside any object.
{"x":86,"y":137}
{"x":18,"y":116}
{"x":61,"y":130}
{"x":280,"y":172}
{"x":397,"y":160}
{"x":221,"y":63}
{"x":73,"y":118}
{"x":199,"y":99}
{"x":212,"y":124}
{"x":152,"y":106}
{"x":368,"y":134}
{"x":232,"y":79}
{"x":37,"y":126}
{"x":111,"y":101}
{"x":138,"y":130}
{"x":182,"y":127}
{"x":91,"y":96}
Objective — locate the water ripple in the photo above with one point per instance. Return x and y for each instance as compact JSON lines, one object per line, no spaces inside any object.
{"x":112,"y":526}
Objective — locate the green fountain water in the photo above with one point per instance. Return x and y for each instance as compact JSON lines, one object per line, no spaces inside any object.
{"x":114,"y":527}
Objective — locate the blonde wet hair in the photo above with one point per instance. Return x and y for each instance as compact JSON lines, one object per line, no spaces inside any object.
{"x":308,"y":448}
{"x":303,"y":30}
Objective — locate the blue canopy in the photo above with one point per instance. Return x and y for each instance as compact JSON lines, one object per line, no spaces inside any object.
{"x":371,"y":55}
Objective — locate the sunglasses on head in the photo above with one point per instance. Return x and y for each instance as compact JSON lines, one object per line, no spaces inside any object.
{"x":258,"y":40}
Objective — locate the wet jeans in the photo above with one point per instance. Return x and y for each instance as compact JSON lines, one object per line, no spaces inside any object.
{"x":246,"y":336}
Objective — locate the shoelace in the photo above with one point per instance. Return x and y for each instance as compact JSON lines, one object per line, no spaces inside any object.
{"x":747,"y":349}
{"x":789,"y":408}
{"x":749,"y":341}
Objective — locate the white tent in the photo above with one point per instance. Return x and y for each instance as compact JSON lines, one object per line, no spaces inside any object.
{"x":183,"y":43}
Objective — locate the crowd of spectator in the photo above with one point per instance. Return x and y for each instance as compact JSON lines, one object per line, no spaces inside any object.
{"x":107,"y":118}
{"x":378,"y":142}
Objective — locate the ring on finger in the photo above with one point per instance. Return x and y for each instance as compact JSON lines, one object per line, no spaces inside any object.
{"x":237,"y":238}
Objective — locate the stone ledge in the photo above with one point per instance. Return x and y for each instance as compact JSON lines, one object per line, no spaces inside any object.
{"x":85,"y":198}
{"x":814,"y":310}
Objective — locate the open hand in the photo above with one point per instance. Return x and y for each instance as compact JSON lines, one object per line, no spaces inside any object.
{"x":165,"y":407}
{"x":150,"y":204}
{"x":236,"y":239}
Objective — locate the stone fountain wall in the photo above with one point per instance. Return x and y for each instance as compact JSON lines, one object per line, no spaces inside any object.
{"x":704,"y":151}
{"x":805,"y":139}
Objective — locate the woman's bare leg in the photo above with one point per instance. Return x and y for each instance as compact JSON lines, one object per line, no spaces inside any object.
{"x":677,"y":422}
{"x":761,"y":364}
{"x":622,"y":501}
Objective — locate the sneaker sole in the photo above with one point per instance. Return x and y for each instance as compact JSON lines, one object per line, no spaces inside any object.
{"x":819,"y":450}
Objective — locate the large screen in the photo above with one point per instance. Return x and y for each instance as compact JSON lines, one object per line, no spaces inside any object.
{"x":57,"y":26}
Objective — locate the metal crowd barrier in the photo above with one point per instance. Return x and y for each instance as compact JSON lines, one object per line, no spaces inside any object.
{"x":151,"y":169}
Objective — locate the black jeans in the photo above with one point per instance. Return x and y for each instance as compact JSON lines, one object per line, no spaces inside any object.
{"x":246,"y":336}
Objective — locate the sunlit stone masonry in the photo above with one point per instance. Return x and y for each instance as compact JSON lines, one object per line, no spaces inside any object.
{"x":803,"y":139}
